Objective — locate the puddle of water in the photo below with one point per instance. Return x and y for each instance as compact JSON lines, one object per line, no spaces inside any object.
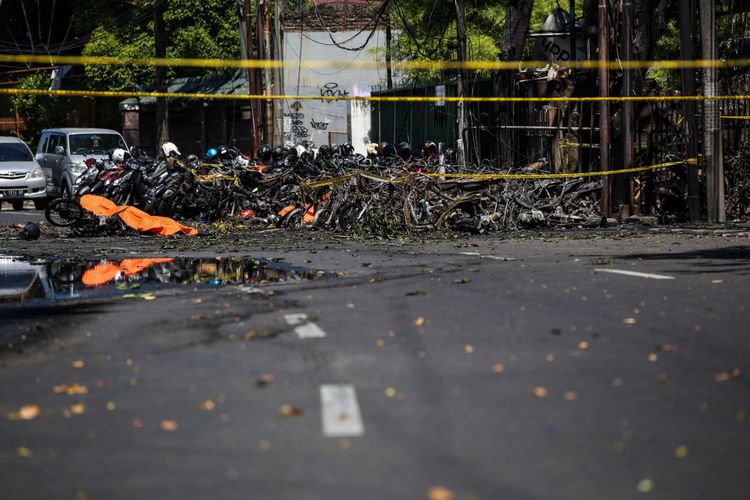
{"x":23,"y":280}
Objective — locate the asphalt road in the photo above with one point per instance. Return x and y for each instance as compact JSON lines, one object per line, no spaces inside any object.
{"x":477,"y":368}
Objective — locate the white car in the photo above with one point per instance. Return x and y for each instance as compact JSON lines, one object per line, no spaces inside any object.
{"x":21,"y":176}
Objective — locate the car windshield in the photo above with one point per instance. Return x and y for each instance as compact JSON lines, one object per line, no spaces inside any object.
{"x":98,"y":144}
{"x":15,"y":152}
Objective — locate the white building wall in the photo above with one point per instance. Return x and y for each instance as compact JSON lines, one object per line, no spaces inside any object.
{"x":318,"y":121}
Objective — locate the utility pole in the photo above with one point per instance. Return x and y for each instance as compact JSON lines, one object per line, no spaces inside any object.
{"x":712,"y":152}
{"x":687,"y":53}
{"x":278,"y":72}
{"x":162,"y":105}
{"x":267,"y":80}
{"x":628,"y":132}
{"x":464,"y":140}
{"x":388,"y":54}
{"x":604,"y":158}
{"x":246,"y":41}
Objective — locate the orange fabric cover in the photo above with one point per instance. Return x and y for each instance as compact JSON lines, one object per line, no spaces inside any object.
{"x":107,"y":271}
{"x":135,"y":218}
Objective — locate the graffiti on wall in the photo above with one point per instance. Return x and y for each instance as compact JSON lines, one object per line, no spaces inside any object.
{"x":297,"y":129}
{"x":319,"y":125}
{"x":331,"y":89}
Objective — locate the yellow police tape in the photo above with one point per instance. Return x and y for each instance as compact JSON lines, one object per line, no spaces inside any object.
{"x":251,"y":97}
{"x":735,"y":117}
{"x":483,"y":177}
{"x":399,"y":65}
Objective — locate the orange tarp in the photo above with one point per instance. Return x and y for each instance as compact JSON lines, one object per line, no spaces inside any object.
{"x":108,"y":271}
{"x":135,"y":218}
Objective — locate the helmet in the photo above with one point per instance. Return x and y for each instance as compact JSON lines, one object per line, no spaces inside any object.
{"x":301,"y":150}
{"x":31,"y":232}
{"x":325,"y":151}
{"x":404,"y":150}
{"x":346,"y":149}
{"x":264,"y":152}
{"x":387,"y":150}
{"x":429,"y":150}
{"x":192,"y":159}
{"x":120,"y":155}
{"x":278,"y":154}
{"x":211,"y":153}
{"x":169,"y":149}
{"x":372,"y":149}
{"x":223,"y":153}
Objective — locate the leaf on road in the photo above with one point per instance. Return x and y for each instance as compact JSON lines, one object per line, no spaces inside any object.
{"x":78,"y":409}
{"x":461,"y":281}
{"x":645,"y":485}
{"x":208,"y":405}
{"x":290,"y":411}
{"x":629,"y":321}
{"x":468,"y":349}
{"x":570,"y":396}
{"x":70,"y":389}
{"x":265,"y":379}
{"x":583,"y":345}
{"x":29,"y":412}
{"x":23,"y":452}
{"x":652,"y":357}
{"x":539,"y":391}
{"x":440,"y":493}
{"x":419,"y":321}
{"x":169,"y":425}
{"x":681,"y":451}
{"x":666,"y":347}
{"x":415,"y":293}
{"x":78,"y":363}
{"x":734,"y":373}
{"x":498,"y":368}
{"x":390,"y":392}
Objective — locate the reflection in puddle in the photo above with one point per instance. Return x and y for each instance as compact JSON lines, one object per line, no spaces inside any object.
{"x":23,"y":279}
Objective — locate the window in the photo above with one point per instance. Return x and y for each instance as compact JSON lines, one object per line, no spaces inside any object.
{"x":41,"y":148}
{"x":100,"y":144}
{"x":54,"y":141}
{"x":14,"y":152}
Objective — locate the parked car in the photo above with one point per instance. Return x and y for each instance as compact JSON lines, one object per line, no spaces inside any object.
{"x":62,"y":153}
{"x":21,"y":177}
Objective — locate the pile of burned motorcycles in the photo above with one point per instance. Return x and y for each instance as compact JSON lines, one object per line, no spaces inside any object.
{"x":335,"y":189}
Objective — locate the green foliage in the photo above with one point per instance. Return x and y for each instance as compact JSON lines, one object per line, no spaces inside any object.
{"x":38,"y":110}
{"x":667,"y":47}
{"x":206,"y":29}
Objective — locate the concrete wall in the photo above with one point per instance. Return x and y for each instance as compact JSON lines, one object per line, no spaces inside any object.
{"x":321,"y":122}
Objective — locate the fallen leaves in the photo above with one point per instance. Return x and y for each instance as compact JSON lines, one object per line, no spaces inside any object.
{"x":24,"y":453}
{"x":144,"y":296}
{"x":539,"y":391}
{"x":468,"y":349}
{"x":265,"y":379}
{"x":390,"y":391}
{"x":461,"y":281}
{"x":26,"y":412}
{"x":439,"y":493}
{"x":208,"y":405}
{"x":583,"y":345}
{"x":570,"y":395}
{"x":498,"y":368}
{"x":681,"y":451}
{"x":169,"y":425}
{"x":78,"y":363}
{"x":78,"y":408}
{"x":420,"y":321}
{"x":645,"y":485}
{"x":666,"y":348}
{"x":629,"y":321}
{"x":288,"y":410}
{"x":70,"y":389}
{"x":734,"y":373}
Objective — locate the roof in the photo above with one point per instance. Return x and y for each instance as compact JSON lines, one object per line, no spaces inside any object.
{"x":235,"y":83}
{"x":9,"y":139}
{"x":74,"y":130}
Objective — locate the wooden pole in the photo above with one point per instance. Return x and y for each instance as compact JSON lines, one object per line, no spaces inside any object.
{"x":687,"y":53}
{"x":162,"y":105}
{"x":604,"y":149}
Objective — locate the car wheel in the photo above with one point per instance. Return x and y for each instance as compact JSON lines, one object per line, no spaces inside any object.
{"x":41,"y":204}
{"x":17,"y":204}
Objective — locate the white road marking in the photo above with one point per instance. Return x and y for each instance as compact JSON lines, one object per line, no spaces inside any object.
{"x":492,"y":257}
{"x":636,"y":274}
{"x":340,"y":412}
{"x":304,"y":329}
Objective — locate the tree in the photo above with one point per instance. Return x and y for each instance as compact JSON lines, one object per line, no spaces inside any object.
{"x":38,"y":111}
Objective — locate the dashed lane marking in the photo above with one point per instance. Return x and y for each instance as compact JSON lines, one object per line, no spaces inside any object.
{"x":340,"y":411}
{"x":635,"y":274}
{"x":491,"y":257}
{"x":303,"y":328}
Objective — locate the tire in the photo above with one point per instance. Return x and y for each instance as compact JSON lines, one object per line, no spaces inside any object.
{"x":347,"y":216}
{"x":17,"y":205}
{"x":294,"y":218}
{"x":65,"y":192}
{"x":63,"y":213}
{"x":41,"y":204}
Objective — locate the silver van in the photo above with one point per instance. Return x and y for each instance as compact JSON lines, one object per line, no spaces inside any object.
{"x":62,"y":152}
{"x":21,"y":177}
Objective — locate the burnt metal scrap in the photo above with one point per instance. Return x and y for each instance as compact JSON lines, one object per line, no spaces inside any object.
{"x":336,"y":190}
